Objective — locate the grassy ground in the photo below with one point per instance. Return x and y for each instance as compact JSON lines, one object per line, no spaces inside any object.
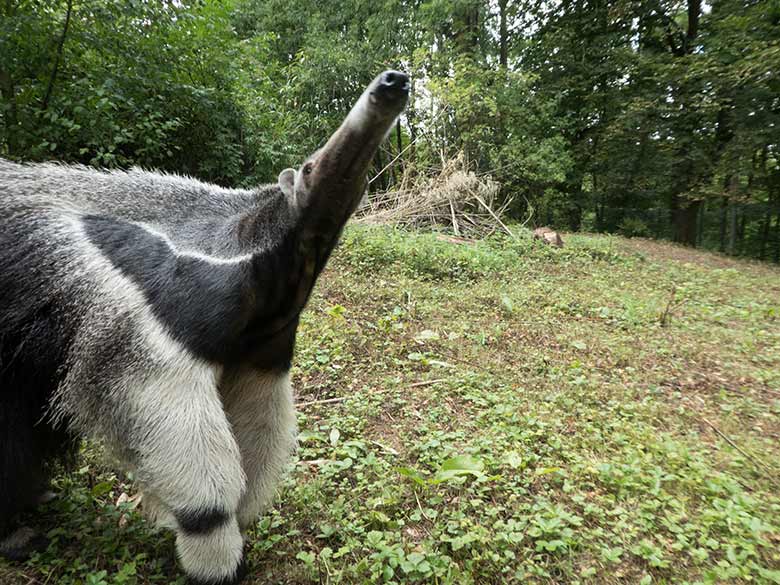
{"x":499,"y":413}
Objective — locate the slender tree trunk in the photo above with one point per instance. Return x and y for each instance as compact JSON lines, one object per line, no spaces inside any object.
{"x":466,"y":28}
{"x":765,"y":229}
{"x":777,"y":236}
{"x":685,"y":215}
{"x":503,"y":39}
{"x":395,"y":169}
{"x":724,"y":204}
{"x":694,"y":10}
{"x":732,"y":229}
{"x":741,"y":230}
{"x":502,"y":60}
{"x":773,"y":187}
{"x":700,"y":224}
{"x":57,"y":57}
{"x":690,"y":213}
{"x":8,"y":93}
{"x":411,"y":118}
{"x":398,"y":140}
{"x":379,"y":166}
{"x":599,"y":216}
{"x":391,"y":177}
{"x":575,"y":215}
{"x":599,"y":198}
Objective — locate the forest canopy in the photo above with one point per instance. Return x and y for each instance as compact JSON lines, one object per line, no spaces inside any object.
{"x":646,"y":118}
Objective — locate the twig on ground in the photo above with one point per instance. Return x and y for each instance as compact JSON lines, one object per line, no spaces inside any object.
{"x":419,"y":505}
{"x":427,"y":383}
{"x":343,"y":398}
{"x":671,"y":306}
{"x":752,"y":458}
{"x":324,"y":401}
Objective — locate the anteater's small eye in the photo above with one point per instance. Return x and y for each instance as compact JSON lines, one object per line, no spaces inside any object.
{"x":307,"y":168}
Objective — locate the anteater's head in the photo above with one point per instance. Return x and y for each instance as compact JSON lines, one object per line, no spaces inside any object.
{"x":327,"y":188}
{"x":320,"y":196}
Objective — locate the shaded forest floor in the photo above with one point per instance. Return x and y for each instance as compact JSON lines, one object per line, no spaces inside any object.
{"x":503,"y":412}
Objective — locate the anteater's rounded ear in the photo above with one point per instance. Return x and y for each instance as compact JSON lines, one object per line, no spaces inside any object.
{"x":287,"y":183}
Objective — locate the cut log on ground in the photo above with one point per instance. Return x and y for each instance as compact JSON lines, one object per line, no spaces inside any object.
{"x":548,"y":236}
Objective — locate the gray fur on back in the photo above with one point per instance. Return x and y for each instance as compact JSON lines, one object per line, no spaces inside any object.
{"x":195,"y":216}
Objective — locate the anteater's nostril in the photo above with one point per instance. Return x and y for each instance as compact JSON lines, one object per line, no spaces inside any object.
{"x":395,"y":80}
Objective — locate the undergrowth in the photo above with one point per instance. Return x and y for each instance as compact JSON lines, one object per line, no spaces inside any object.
{"x":499,"y":412}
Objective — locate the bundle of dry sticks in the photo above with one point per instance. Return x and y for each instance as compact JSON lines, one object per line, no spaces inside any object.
{"x":455,"y":198}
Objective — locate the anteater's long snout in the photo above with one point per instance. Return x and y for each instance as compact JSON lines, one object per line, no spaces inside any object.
{"x":383,"y":100}
{"x":346,"y":156}
{"x":332,"y":182}
{"x":391,"y":86}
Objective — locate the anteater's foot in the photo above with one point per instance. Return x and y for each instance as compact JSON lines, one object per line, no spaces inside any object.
{"x":21,"y":543}
{"x":241,"y":572}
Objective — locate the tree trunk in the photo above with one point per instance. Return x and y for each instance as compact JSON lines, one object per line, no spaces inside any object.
{"x":700,"y":224}
{"x":724,"y":205}
{"x":466,"y":28}
{"x":398,"y":140}
{"x":503,"y":39}
{"x":686,"y":215}
{"x":600,"y":205}
{"x":380,"y":165}
{"x":574,"y":214}
{"x":765,"y":230}
{"x":411,"y":123}
{"x":774,"y":199}
{"x":741,"y":230}
{"x":57,"y":57}
{"x":599,"y":216}
{"x":732,"y":229}
{"x":8,"y":92}
{"x":777,"y":237}
{"x":694,"y":10}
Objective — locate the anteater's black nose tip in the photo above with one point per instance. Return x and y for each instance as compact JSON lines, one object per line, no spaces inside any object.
{"x":394,"y":81}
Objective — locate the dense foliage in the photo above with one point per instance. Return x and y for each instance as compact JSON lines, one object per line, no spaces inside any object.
{"x":645,"y":117}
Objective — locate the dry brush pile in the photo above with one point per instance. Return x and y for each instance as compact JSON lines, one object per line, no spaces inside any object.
{"x":456,"y":198}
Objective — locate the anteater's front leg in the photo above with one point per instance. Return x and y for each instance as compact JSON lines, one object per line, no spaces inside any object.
{"x":260,"y":409}
{"x":188,"y":460}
